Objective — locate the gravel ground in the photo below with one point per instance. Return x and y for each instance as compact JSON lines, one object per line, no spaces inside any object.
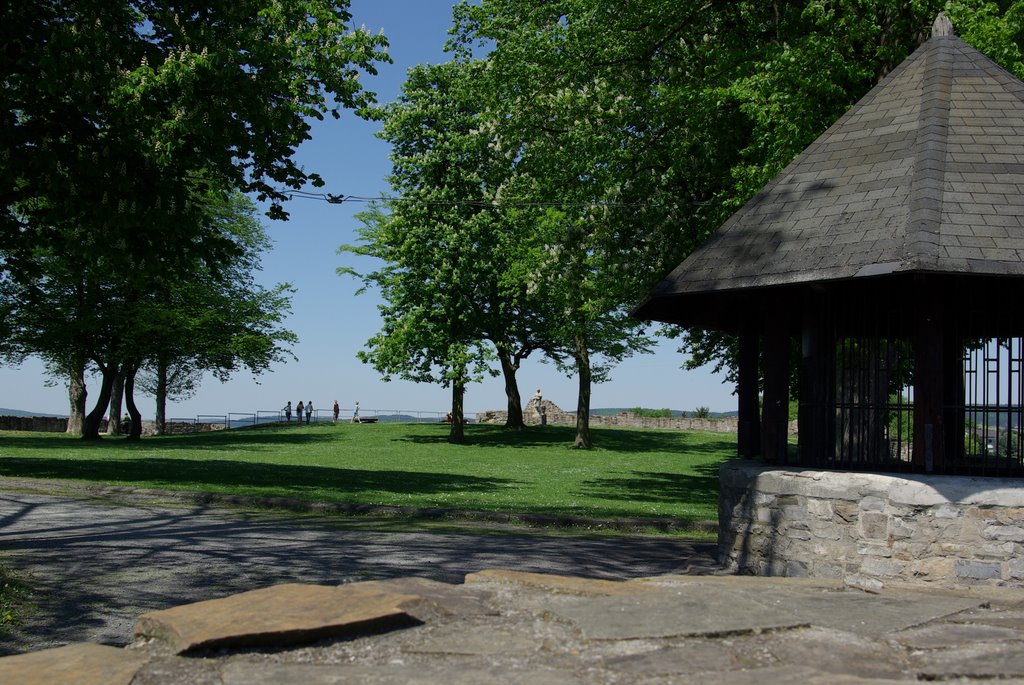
{"x":95,"y":564}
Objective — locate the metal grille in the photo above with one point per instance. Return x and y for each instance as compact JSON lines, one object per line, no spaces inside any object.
{"x":873,"y":404}
{"x":871,"y":423}
{"x":992,"y":412}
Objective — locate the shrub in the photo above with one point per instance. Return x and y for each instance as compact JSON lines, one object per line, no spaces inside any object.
{"x":652,"y":413}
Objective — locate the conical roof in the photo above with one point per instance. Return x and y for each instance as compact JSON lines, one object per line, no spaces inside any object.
{"x":924,"y":174}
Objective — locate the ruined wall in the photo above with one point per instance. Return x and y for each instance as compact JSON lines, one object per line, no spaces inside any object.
{"x":58,"y":424}
{"x":557,"y":417}
{"x":953,"y":530}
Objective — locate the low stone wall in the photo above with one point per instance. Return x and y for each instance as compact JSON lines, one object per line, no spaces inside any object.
{"x":37,"y":424}
{"x":59,"y":424}
{"x":833,"y":524}
{"x":556,"y":417}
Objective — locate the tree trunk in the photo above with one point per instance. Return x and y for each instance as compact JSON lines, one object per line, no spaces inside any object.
{"x":515,"y":400}
{"x":77,"y":395}
{"x":160,"y":418}
{"x":457,"y":433}
{"x":116,"y":398}
{"x":135,"y":428}
{"x":91,"y":426}
{"x":582,"y":355}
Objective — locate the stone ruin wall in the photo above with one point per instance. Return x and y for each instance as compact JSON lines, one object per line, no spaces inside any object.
{"x":950,"y":530}
{"x":59,"y":424}
{"x":557,"y":417}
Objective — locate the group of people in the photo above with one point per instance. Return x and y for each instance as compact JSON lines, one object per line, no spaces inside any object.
{"x":307,"y":409}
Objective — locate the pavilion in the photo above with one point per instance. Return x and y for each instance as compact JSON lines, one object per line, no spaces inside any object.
{"x":883,"y":269}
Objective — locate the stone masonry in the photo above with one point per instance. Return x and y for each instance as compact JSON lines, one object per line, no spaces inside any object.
{"x":59,"y":424}
{"x":948,"y":530}
{"x":626,"y":419}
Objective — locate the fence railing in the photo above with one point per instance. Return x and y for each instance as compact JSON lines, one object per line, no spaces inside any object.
{"x":265,"y":416}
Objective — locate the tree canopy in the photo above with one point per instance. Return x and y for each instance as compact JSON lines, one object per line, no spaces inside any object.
{"x":126,"y":125}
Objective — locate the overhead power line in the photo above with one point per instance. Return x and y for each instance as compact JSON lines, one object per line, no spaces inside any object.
{"x":341,"y":199}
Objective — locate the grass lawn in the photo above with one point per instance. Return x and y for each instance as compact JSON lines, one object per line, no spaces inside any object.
{"x":631,"y":473}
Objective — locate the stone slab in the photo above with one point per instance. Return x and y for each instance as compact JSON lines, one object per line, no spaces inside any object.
{"x":948,"y":635}
{"x":81,"y":664}
{"x":684,"y":611}
{"x":691,"y":658}
{"x":778,"y":675}
{"x":1005,"y":619}
{"x":310,"y":674}
{"x":475,"y":640}
{"x":854,"y":611}
{"x":281,"y":614}
{"x":555,"y":583}
{"x":435,"y":596}
{"x":836,"y":651}
{"x":980,"y":661}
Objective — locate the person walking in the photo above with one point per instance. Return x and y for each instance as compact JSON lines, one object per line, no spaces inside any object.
{"x":309,"y":410}
{"x":298,"y":411}
{"x":337,"y":410}
{"x":288,"y":412}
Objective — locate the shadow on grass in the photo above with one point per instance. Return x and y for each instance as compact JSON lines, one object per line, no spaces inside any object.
{"x":265,"y":479}
{"x":604,"y":439}
{"x":253,"y":438}
{"x":641,"y":486}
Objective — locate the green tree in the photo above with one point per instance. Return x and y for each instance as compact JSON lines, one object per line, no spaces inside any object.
{"x":121,"y":110}
{"x":674,"y":114}
{"x":79,"y":315}
{"x":450,"y":252}
{"x":120,"y":119}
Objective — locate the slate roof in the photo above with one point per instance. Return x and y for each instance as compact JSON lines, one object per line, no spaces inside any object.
{"x":924,"y":174}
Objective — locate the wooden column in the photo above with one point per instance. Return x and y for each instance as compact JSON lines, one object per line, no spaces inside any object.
{"x":817,"y":385}
{"x":749,"y":438}
{"x":775,"y":420}
{"x":929,"y":379}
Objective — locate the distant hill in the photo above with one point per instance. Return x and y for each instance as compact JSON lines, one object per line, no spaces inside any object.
{"x":19,"y":412}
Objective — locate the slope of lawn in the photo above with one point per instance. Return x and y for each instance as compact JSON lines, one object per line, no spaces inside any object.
{"x":630,"y":473}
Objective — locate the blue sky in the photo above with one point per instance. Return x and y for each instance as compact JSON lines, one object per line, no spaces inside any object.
{"x":333,"y":323}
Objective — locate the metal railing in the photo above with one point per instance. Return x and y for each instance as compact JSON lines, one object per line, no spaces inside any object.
{"x":266,"y":416}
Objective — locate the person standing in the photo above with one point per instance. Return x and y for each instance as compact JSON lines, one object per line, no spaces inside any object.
{"x":288,"y":412}
{"x":337,"y":409}
{"x":298,"y":411}
{"x":355,"y":414}
{"x":309,"y":410}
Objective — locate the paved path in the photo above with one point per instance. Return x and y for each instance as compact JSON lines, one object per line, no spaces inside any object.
{"x":95,"y":565}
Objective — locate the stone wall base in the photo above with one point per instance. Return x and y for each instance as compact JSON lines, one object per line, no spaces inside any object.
{"x":949,"y":530}
{"x":59,"y":424}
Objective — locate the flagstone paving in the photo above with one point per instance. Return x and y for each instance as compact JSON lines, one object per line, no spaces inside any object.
{"x":536,"y":629}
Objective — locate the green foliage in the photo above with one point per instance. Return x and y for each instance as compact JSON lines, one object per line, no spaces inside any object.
{"x":672,"y":115}
{"x":633,"y":473}
{"x":651,"y":413}
{"x":702,"y":412}
{"x":995,"y":28}
{"x":127,"y":127}
{"x":116,"y":113}
{"x":445,"y":254}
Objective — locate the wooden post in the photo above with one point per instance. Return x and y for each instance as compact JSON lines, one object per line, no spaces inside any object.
{"x":775,"y":420}
{"x":929,"y":379}
{"x":749,"y":437}
{"x":817,"y":386}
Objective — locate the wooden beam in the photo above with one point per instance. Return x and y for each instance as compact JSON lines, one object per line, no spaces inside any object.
{"x":749,"y":438}
{"x":775,"y":420}
{"x":930,"y":341}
